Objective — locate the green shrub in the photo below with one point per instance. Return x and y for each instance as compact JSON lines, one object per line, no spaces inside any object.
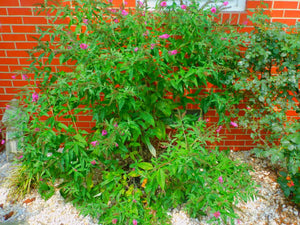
{"x":270,"y":73}
{"x":131,"y":72}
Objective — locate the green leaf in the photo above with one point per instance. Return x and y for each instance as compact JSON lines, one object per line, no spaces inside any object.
{"x":161,"y":179}
{"x":61,"y":59}
{"x":145,"y":166}
{"x":150,"y":146}
{"x":133,"y":174}
{"x":81,"y":139}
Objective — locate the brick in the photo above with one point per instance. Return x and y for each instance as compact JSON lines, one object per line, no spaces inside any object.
{"x":5,"y":29}
{"x":5,"y":83}
{"x":25,"y":61}
{"x":276,"y":13}
{"x":235,"y":143}
{"x":1,"y":90}
{"x":6,"y":75}
{"x":3,"y":69}
{"x":14,"y":37}
{"x":31,"y":37}
{"x":26,"y":45}
{"x":9,"y":3}
{"x":292,"y":13}
{"x":243,"y":137}
{"x":15,"y":68}
{"x":229,"y":137}
{"x":31,"y":2}
{"x":64,"y":21}
{"x":16,"y":53}
{"x":8,"y":45}
{"x":289,"y":22}
{"x":19,"y":11}
{"x":11,"y":20}
{"x":20,"y":83}
{"x":234,"y":18}
{"x":225,"y":19}
{"x":3,"y":12}
{"x":7,"y":97}
{"x":84,"y":118}
{"x":83,"y":124}
{"x":2,"y":53}
{"x":9,"y":61}
{"x":35,"y":20}
{"x":285,"y":5}
{"x":239,"y":148}
{"x":24,"y":29}
{"x":12,"y":90}
{"x":255,"y":4}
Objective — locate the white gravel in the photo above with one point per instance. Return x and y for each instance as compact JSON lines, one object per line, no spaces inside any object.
{"x":271,"y":209}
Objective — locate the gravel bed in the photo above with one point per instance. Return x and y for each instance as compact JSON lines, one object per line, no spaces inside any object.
{"x":270,"y":209}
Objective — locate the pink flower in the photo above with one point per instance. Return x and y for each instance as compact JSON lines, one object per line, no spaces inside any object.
{"x":35,"y":97}
{"x":183,"y":6}
{"x":134,"y":201}
{"x":217,"y":214}
{"x":113,"y":10}
{"x":225,"y":3}
{"x":114,"y":221}
{"x":93,"y":162}
{"x":152,"y":46}
{"x":223,"y":38}
{"x":86,"y":21}
{"x":173,"y":52}
{"x":233,"y":124}
{"x":7,"y":106}
{"x":116,"y":21}
{"x":3,"y":142}
{"x":219,"y":129}
{"x":124,"y":13}
{"x":0,"y":130}
{"x":140,"y":3}
{"x":83,"y":46}
{"x":37,"y":129}
{"x":20,"y":157}
{"x":13,"y":76}
{"x":246,"y":22}
{"x":220,"y":179}
{"x":104,"y":132}
{"x":163,"y":4}
{"x":146,"y":33}
{"x":134,"y":222}
{"x":24,"y":77}
{"x":69,"y":47}
{"x":164,"y":36}
{"x":213,"y":10}
{"x":75,"y":170}
{"x":133,"y":169}
{"x":41,"y":179}
{"x":136,"y":49}
{"x":115,"y":125}
{"x":125,"y":3}
{"x":94,"y":143}
{"x":248,"y":107}
{"x":207,"y":120}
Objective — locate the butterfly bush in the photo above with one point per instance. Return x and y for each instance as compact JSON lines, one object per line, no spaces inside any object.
{"x":128,"y":77}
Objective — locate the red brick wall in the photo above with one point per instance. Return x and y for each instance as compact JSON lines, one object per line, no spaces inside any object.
{"x":18,"y":22}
